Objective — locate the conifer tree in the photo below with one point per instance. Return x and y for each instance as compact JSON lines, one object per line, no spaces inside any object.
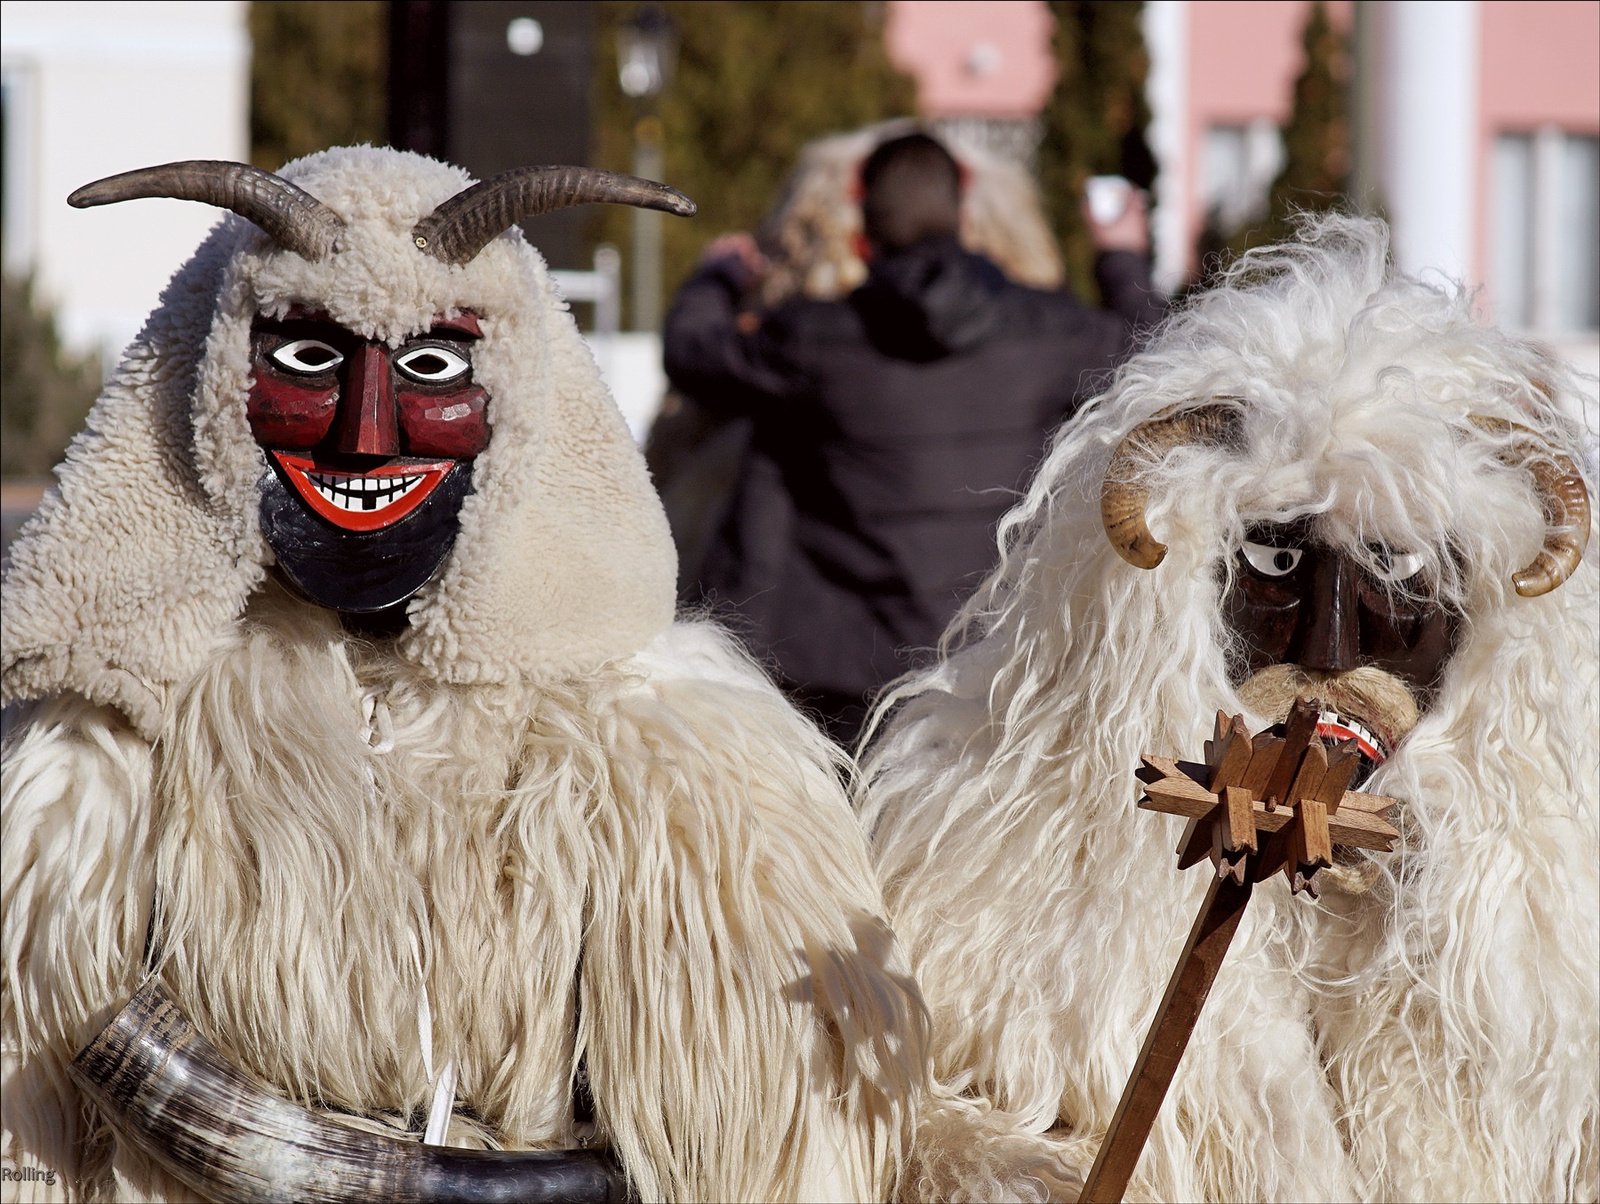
{"x":318,"y":77}
{"x":45,"y":391}
{"x":755,"y":81}
{"x":1316,"y":141}
{"x":1094,"y":120}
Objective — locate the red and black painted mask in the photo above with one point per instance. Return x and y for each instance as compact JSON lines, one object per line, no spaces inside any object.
{"x":371,"y":451}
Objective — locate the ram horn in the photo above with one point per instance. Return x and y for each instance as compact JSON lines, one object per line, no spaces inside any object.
{"x":1565,"y":499}
{"x":295,"y":219}
{"x":225,"y":1136}
{"x":462,"y":226}
{"x":1123,"y":497}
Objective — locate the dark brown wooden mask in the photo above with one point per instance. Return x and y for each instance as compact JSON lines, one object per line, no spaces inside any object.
{"x":1295,"y":600}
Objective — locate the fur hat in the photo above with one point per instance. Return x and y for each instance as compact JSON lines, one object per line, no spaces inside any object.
{"x":146,"y":553}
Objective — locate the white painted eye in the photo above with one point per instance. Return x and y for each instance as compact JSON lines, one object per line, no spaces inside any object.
{"x":1271,"y":561}
{"x":1395,"y":567}
{"x":310,"y":356}
{"x":433,"y":365}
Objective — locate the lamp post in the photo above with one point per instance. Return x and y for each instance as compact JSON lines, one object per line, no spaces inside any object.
{"x":646,"y":50}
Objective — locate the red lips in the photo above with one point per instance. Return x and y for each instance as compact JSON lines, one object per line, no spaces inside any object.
{"x":1333,"y":726}
{"x":363,"y":501}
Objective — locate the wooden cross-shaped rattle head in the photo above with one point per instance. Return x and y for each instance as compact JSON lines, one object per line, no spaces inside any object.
{"x":1285,"y":786}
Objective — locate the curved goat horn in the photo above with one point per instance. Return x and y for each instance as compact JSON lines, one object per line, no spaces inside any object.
{"x":462,"y":226}
{"x":227,"y":1137}
{"x":295,"y":219}
{"x":1565,"y":499}
{"x":1122,"y":500}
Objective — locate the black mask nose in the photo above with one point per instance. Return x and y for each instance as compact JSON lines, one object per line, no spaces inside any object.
{"x":1328,"y":637}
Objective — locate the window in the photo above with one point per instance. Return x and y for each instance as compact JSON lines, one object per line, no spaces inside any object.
{"x":1545,"y":231}
{"x":1239,"y":164}
{"x":1578,"y":287}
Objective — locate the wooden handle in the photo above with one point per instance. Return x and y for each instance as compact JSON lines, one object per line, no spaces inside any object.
{"x":1167,"y":1039}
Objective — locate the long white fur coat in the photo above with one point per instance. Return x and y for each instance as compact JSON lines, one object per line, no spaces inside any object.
{"x":543,"y":824}
{"x":1429,"y":1030}
{"x":333,"y":843}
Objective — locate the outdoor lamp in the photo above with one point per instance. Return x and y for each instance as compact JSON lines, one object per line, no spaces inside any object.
{"x":645,"y":51}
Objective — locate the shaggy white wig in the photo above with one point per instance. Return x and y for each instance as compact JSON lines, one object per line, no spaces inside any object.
{"x":1429,"y":1029}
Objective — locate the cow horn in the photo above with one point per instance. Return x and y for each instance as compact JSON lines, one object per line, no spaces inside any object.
{"x":225,"y":1136}
{"x":1565,"y":499}
{"x":1122,"y":498}
{"x":295,"y":219}
{"x":462,"y":226}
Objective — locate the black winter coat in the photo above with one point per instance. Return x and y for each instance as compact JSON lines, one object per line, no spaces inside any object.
{"x":892,"y":430}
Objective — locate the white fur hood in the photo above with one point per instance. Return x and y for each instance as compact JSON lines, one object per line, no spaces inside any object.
{"x":145,"y":554}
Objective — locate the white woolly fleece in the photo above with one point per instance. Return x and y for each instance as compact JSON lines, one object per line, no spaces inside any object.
{"x":330,"y":836}
{"x":143,"y":557}
{"x":1428,"y":1030}
{"x":546,"y":818}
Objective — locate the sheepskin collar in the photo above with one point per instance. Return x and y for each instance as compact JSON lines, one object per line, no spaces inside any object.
{"x":142,"y":559}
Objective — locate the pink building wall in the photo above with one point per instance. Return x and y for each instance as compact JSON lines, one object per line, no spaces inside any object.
{"x":1243,"y":59}
{"x":1244,"y":56}
{"x":974,"y":58}
{"x":1539,"y":64}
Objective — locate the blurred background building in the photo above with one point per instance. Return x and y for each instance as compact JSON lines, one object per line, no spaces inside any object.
{"x":91,"y":89}
{"x":986,"y":78}
{"x":1474,"y":125}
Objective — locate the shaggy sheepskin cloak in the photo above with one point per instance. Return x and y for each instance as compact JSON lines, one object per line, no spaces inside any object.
{"x":544,"y":827}
{"x":1428,"y":1030}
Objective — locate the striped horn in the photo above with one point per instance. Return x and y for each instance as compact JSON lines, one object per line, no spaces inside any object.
{"x":1122,"y":498}
{"x":462,"y":226}
{"x":226,"y":1136}
{"x":295,"y":219}
{"x":1565,"y":499}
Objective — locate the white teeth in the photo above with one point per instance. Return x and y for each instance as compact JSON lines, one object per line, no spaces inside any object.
{"x":363,"y":493}
{"x":1350,"y":725}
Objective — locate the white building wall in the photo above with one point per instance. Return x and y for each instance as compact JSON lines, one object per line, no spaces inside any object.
{"x":96,"y":88}
{"x":1166,"y":39}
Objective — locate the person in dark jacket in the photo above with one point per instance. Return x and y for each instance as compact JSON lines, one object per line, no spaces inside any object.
{"x":893,"y":428}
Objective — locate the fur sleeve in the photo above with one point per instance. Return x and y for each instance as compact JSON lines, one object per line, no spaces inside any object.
{"x":77,"y":889}
{"x":749,"y":1024}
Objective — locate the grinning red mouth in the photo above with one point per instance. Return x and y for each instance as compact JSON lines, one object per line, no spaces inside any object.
{"x":1331,"y":725}
{"x":363,"y":501}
